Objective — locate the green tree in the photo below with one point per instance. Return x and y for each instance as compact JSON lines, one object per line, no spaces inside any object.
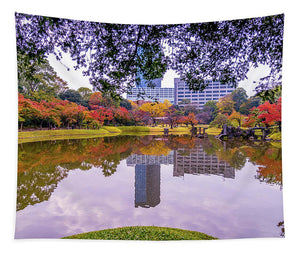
{"x":72,"y":96}
{"x":249,"y":104}
{"x":271,"y":95}
{"x":37,"y":80}
{"x":219,"y":121}
{"x":126,"y":104}
{"x":85,"y":93}
{"x":211,"y":106}
{"x":239,"y":96}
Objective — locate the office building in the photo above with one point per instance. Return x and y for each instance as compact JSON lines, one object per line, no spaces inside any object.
{"x":214,"y":91}
{"x":143,"y":83}
{"x":152,"y":94}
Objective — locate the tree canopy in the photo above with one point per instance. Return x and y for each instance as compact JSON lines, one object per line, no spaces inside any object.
{"x":109,"y":53}
{"x":37,"y":79}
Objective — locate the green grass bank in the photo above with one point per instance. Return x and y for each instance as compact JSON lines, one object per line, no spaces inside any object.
{"x":143,"y":233}
{"x":60,"y":134}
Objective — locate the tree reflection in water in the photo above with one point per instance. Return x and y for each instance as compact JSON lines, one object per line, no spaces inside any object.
{"x":42,"y":165}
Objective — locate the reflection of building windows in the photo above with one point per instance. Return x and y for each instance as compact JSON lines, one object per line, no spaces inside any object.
{"x":198,"y":162}
{"x":147,"y":185}
{"x":147,"y":177}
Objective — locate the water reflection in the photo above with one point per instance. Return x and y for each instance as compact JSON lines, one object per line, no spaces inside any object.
{"x":147,"y":177}
{"x":44,"y":166}
{"x":147,"y":185}
{"x":199,"y":162}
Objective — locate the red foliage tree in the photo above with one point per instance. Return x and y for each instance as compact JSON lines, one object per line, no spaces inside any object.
{"x":270,"y":113}
{"x":190,"y":119}
{"x":95,"y":100}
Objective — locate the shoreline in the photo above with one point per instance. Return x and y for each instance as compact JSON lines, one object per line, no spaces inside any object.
{"x":105,"y":131}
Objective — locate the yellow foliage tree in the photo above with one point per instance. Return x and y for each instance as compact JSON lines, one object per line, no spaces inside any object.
{"x":155,"y":109}
{"x":226,"y":105}
{"x":236,"y":116}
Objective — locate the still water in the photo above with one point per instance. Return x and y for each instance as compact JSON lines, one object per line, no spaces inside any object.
{"x":224,"y":189}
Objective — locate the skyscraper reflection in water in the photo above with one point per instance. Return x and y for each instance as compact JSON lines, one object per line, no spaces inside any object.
{"x":147,"y":171}
{"x":147,"y":178}
{"x":147,"y":185}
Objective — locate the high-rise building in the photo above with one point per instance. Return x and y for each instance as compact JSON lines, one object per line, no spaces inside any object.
{"x":150,"y":90}
{"x":143,"y":83}
{"x":214,"y":91}
{"x":152,"y":94}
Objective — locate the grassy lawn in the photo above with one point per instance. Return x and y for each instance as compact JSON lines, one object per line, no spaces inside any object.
{"x":276,"y":136}
{"x":175,"y":130}
{"x":45,"y":135}
{"x":213,"y":131}
{"x":143,"y":233}
{"x":60,"y":134}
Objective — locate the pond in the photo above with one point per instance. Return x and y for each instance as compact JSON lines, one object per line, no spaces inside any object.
{"x":224,"y":189}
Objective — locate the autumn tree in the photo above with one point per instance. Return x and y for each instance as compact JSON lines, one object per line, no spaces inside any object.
{"x":96,"y":119}
{"x":189,"y":120}
{"x":95,"y":100}
{"x":26,"y":110}
{"x":270,"y":114}
{"x":237,"y":117}
{"x":139,"y":117}
{"x":225,"y":105}
{"x":252,"y":119}
{"x":172,"y":116}
{"x":121,"y":115}
{"x":99,"y":99}
{"x":155,"y":109}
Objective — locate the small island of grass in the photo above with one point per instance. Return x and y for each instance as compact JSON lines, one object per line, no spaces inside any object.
{"x":143,"y":233}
